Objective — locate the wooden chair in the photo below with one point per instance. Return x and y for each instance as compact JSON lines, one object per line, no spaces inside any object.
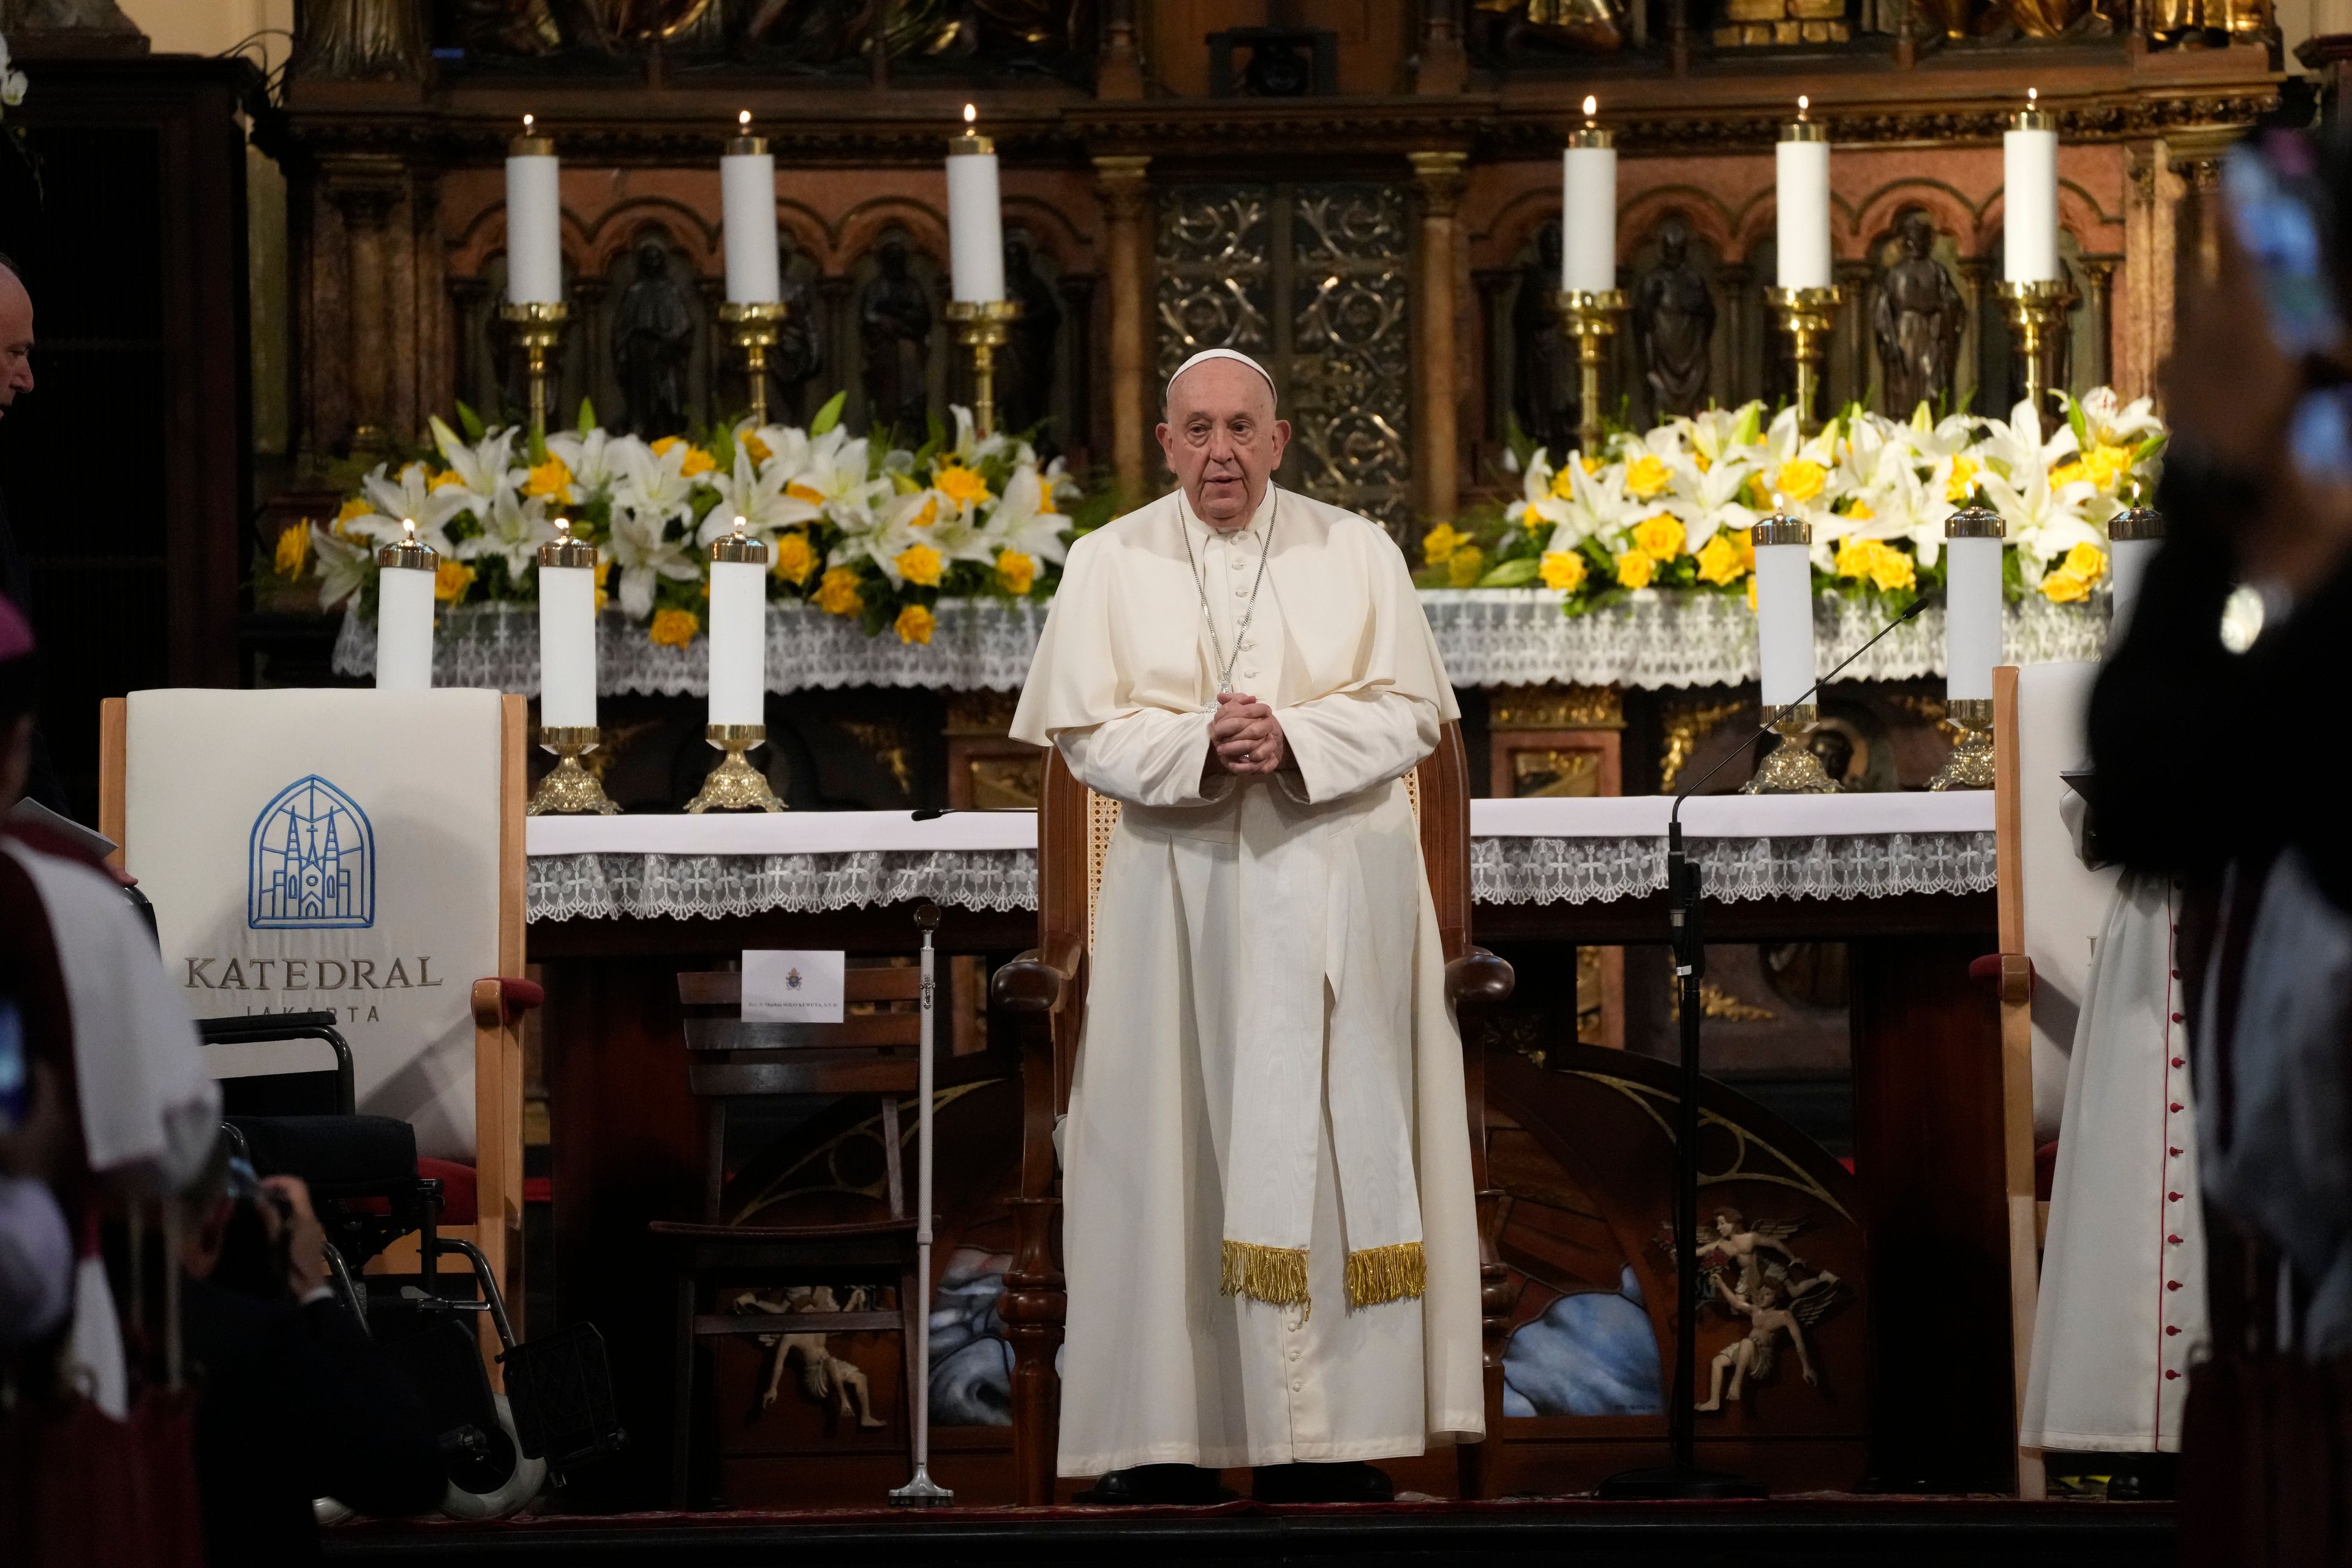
{"x":875,"y":1055}
{"x":1046,"y":989}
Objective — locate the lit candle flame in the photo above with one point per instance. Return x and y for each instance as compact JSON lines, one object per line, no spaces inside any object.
{"x":1803,"y":104}
{"x":2033,"y":97}
{"x":1591,"y":106}
{"x":408,"y":531}
{"x":526,"y":124}
{"x":740,"y":525}
{"x":563,"y":530}
{"x":744,"y":120}
{"x":971,"y":113}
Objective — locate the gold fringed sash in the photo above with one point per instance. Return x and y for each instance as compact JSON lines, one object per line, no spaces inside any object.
{"x":1380,"y":1274}
{"x":1275,"y":1275}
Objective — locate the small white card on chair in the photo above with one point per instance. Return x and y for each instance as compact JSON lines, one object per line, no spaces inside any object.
{"x":787,"y":986}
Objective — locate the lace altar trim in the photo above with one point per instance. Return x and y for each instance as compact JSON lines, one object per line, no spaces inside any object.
{"x":1502,"y":871}
{"x":1490,"y":637}
{"x":1600,"y":871}
{"x":653,"y":887}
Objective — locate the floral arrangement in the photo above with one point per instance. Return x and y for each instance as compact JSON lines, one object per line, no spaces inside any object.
{"x":1672,"y":507}
{"x":856,"y":526}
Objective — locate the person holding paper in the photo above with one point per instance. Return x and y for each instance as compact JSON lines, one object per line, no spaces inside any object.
{"x":1268,"y":1226}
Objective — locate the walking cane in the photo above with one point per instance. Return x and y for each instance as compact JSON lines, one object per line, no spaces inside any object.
{"x":922,"y":1491}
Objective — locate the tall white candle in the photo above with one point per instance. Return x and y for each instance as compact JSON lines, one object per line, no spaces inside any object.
{"x":747,"y":190}
{"x":403,"y":614}
{"x":2029,"y":177}
{"x":1784,"y":608}
{"x":1800,"y":194}
{"x":567,"y":632}
{"x":534,"y":220}
{"x":738,"y":629}
{"x":975,"y":220}
{"x":1588,"y":209}
{"x":2133,"y":539}
{"x":1971,"y":603}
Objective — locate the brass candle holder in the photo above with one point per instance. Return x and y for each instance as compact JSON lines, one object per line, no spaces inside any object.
{"x":1970,"y":765}
{"x":1805,"y":317}
{"x":1589,"y":317}
{"x":755,"y":325}
{"x":1790,"y":768}
{"x":735,"y":785}
{"x":2037,"y":313}
{"x":538,"y":327}
{"x":982,"y":326}
{"x":570,"y":789}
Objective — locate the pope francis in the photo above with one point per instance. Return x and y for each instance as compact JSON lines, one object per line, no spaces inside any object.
{"x":1268,"y":1226}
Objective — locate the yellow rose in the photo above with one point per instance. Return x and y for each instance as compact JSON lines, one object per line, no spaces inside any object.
{"x":929,"y":515}
{"x":1635,"y":568}
{"x":1751,"y":593}
{"x":1746,"y":539}
{"x":796,"y":557}
{"x":914,"y":623}
{"x":1046,"y":507}
{"x":1718,"y":560}
{"x":1562,"y":569}
{"x":959,"y":484}
{"x":1799,"y":479}
{"x":446,"y":479}
{"x":2067,"y":473}
{"x":2108,"y":465}
{"x":603,"y":570}
{"x":1438,"y":545}
{"x":1017,"y":571}
{"x":1465,"y":566}
{"x":674,"y":628}
{"x":757,"y":448}
{"x":697,"y":462}
{"x":1563,"y":485}
{"x":1861,"y":512}
{"x":1647,"y":475}
{"x":1891,"y":569}
{"x":1660,"y":536}
{"x":2063,"y":587}
{"x":920,"y":565}
{"x":808,"y":493}
{"x":450,"y":581}
{"x":294,"y":549}
{"x":1855,"y":557}
{"x":836,"y":592}
{"x":549,"y":479}
{"x":2087,"y":561}
{"x":1963,"y":482}
{"x":358,"y":506}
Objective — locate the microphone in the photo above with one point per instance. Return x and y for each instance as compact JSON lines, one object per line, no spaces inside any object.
{"x":933,"y":813}
{"x":1673,"y":817}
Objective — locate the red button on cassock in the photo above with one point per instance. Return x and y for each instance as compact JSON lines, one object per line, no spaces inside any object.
{"x":2173,"y":1197}
{"x":2170,"y":1329}
{"x":2180,"y":1061}
{"x":2170,"y":1375}
{"x":2174,"y":1239}
{"x":2176,"y":1017}
{"x":2172,"y":1284}
{"x":2174,"y":1152}
{"x":2176,"y":1107}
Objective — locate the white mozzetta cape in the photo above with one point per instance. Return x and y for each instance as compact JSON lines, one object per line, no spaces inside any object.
{"x":1232,"y":926}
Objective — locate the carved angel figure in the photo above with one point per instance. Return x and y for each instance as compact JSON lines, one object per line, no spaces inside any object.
{"x":1780,"y":1304}
{"x":1730,"y":1242}
{"x":824,"y":1377}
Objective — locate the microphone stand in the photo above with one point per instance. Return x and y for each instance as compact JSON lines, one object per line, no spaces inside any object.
{"x":1681,"y":1476}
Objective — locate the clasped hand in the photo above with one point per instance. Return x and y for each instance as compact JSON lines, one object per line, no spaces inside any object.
{"x":1245,"y":739}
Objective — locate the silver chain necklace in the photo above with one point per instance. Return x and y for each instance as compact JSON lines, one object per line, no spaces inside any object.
{"x":1249,"y":612}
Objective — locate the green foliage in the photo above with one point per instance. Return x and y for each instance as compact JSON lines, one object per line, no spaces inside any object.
{"x":829,"y":415}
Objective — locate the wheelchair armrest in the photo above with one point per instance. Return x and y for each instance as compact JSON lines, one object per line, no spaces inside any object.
{"x":503,"y":1000}
{"x":1478,"y":977}
{"x":1039,"y":981}
{"x":251,"y":1028}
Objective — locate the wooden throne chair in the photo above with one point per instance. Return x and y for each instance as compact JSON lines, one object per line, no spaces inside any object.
{"x":1045,"y":990}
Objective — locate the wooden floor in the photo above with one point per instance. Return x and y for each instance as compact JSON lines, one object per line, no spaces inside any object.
{"x":1816,"y":1531}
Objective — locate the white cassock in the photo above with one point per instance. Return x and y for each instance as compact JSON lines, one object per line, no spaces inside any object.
{"x":1268,"y":1226}
{"x":2122,"y":1310}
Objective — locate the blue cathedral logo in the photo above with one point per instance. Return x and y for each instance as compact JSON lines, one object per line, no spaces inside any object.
{"x":313,"y":861}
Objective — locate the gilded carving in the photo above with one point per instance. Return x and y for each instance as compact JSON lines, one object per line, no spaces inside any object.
{"x":1556,"y":707}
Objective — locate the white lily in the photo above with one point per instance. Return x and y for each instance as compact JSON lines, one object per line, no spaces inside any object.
{"x":2110,"y":422}
{"x":1597,"y":505}
{"x":654,"y":486}
{"x":2016,"y":445}
{"x":1537,"y":507}
{"x":644,"y":552}
{"x":596,"y":460}
{"x":758,"y":498}
{"x":837,"y":477}
{"x":1902,"y":504}
{"x":409,"y":499}
{"x":787,"y":447}
{"x":1021,"y":522}
{"x":971,"y":448}
{"x":1706,"y":499}
{"x":920,"y":517}
{"x":2044,"y":520}
{"x":512,"y":531}
{"x":344,"y":565}
{"x":484,"y":467}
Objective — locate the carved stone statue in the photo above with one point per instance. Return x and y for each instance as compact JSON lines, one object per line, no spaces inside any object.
{"x":357,"y":40}
{"x":1543,"y":382}
{"x":653,"y":334}
{"x":1917,"y":321}
{"x":1674,"y":325}
{"x":1024,"y":365}
{"x":1597,"y":25}
{"x":793,"y":364}
{"x":894,"y":322}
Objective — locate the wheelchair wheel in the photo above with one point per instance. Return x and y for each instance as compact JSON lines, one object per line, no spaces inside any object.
{"x":497,"y":1483}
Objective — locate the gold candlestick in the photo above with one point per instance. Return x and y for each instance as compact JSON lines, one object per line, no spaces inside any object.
{"x":2037,"y":315}
{"x":982,"y":326}
{"x":1791,"y":769}
{"x":1805,"y":320}
{"x":538,"y":327}
{"x":755,"y":324}
{"x":735,"y":785}
{"x":1970,"y":764}
{"x":1588,"y":316}
{"x":569,"y":790}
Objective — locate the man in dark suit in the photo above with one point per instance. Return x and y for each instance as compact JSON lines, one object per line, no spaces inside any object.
{"x":15,"y":577}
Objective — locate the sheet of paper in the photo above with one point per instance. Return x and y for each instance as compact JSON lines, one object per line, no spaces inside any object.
{"x":791,"y":985}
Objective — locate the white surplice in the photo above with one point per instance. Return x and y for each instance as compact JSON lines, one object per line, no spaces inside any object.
{"x":1222,"y":908}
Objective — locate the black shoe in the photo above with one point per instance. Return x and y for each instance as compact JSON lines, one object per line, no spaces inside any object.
{"x":1348,"y":1482}
{"x":1182,"y":1486}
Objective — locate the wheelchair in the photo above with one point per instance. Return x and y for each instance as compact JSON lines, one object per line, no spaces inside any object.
{"x":370,"y":1189}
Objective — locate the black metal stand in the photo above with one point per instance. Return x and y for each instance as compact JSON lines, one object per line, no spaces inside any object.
{"x":1682,"y":1477}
